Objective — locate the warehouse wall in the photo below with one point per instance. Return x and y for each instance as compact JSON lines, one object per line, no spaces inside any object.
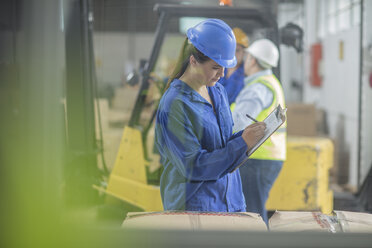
{"x":339,"y":93}
{"x":117,"y":53}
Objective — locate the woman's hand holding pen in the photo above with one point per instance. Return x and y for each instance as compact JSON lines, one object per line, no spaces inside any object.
{"x":253,"y":133}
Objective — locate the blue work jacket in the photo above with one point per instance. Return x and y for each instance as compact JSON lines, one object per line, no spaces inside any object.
{"x":234,"y":84}
{"x":198,"y":151}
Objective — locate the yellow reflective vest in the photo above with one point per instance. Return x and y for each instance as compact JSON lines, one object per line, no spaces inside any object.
{"x":274,"y":147}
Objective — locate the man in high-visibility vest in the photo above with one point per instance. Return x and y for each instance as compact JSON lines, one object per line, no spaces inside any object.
{"x":262,"y":92}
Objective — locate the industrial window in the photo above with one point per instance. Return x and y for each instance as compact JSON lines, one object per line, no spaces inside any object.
{"x":341,"y":14}
{"x":337,"y":15}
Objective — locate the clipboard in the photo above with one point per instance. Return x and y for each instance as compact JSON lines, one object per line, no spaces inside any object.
{"x":273,"y":121}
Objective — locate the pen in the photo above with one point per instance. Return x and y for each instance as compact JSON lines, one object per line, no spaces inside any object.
{"x":253,"y":119}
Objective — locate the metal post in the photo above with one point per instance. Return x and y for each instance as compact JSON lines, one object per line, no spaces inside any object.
{"x":81,"y":168}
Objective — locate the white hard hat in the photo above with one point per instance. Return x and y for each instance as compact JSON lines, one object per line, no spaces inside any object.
{"x":265,"y":52}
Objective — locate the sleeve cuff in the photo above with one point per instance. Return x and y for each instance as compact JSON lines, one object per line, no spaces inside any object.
{"x":242,"y":146}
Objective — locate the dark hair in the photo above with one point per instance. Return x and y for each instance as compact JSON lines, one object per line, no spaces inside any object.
{"x":183,"y":61}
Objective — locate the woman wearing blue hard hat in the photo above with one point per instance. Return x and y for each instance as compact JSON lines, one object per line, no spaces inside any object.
{"x":193,"y":130}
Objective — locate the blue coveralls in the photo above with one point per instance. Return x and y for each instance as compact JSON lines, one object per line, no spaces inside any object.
{"x":234,"y":84}
{"x":198,"y":151}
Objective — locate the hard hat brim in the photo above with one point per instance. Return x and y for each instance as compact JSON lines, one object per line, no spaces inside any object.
{"x":226,"y":63}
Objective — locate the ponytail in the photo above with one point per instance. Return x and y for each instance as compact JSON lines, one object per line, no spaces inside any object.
{"x":184,"y":59}
{"x":181,"y":64}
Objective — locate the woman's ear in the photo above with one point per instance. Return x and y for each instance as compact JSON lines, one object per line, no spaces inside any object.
{"x":192,"y":60}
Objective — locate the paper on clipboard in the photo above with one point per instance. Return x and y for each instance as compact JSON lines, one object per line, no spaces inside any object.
{"x":273,"y":121}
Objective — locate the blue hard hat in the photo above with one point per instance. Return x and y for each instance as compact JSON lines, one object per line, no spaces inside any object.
{"x":215,"y":39}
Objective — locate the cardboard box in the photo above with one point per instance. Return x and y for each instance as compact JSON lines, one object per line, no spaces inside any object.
{"x":293,"y":221}
{"x":337,"y":222}
{"x":354,"y":221}
{"x":189,"y":220}
{"x":301,"y":119}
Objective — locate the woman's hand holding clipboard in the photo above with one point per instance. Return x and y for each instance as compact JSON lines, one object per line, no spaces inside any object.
{"x":273,"y":121}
